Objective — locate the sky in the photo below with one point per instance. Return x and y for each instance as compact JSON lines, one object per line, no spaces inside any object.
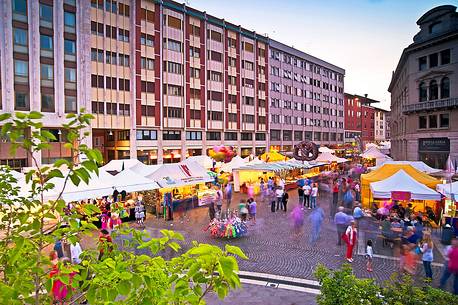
{"x":365,"y":37}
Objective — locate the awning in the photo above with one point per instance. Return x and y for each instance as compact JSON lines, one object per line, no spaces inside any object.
{"x":403,"y":182}
{"x":419,"y":165}
{"x":180,"y":174}
{"x":329,"y":158}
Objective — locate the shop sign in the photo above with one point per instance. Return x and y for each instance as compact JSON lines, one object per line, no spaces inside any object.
{"x":401,"y":196}
{"x":434,"y":144}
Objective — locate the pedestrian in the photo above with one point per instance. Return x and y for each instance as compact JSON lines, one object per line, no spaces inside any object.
{"x":335,"y":198}
{"x":307,"y":190}
{"x":60,"y":287}
{"x":211,"y":210}
{"x":297,"y":217}
{"x":300,"y":193}
{"x":316,"y":219}
{"x":279,"y":194}
{"x":350,"y":238}
{"x":105,"y":243}
{"x":369,"y":255}
{"x":446,"y":271}
{"x":348,"y":200}
{"x":243,"y":211}
{"x":453,"y":264}
{"x":252,"y":210}
{"x":138,"y":212}
{"x":219,"y":201}
{"x":358,"y":191}
{"x":262,"y":189}
{"x":358,"y":214}
{"x":59,"y":248}
{"x":75,"y":252}
{"x":228,"y":195}
{"x":341,"y":222}
{"x":270,"y":185}
{"x":427,"y":258}
{"x":284,"y":200}
{"x":313,"y":196}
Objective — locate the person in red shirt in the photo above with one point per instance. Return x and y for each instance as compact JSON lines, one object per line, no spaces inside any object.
{"x":335,"y":199}
{"x":105,"y":243}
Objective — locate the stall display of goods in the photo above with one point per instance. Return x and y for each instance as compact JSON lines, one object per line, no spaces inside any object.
{"x":232,"y":227}
{"x":222,"y":153}
{"x":205,"y":197}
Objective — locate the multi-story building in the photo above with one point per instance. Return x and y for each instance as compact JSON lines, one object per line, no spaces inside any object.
{"x":359,"y":118}
{"x":388,"y":125}
{"x":306,"y":98}
{"x":424,"y":92}
{"x":163,"y":80}
{"x":380,"y":119}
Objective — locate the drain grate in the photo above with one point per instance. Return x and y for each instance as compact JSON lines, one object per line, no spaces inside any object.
{"x":272,"y":285}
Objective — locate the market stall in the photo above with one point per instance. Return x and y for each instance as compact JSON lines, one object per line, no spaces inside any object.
{"x":419,"y":165}
{"x":290,"y":171}
{"x":181,"y":186}
{"x":450,"y":204}
{"x":388,"y":170}
{"x":204,"y":161}
{"x":375,"y":156}
{"x":272,"y":156}
{"x":325,"y":149}
{"x":328,"y":157}
{"x":236,"y":162}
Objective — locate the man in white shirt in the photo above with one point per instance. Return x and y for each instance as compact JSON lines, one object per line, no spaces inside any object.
{"x":75,"y":252}
{"x":313,"y":195}
{"x":279,"y":194}
{"x":307,"y":190}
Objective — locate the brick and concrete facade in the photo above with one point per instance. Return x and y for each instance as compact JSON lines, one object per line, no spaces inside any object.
{"x":306,"y":98}
{"x":424,"y":92}
{"x":163,"y":80}
{"x":360,"y":118}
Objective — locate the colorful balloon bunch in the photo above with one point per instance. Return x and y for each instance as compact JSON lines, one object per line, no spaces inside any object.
{"x":222,"y":153}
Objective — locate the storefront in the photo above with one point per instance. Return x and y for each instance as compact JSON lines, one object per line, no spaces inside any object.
{"x":434,"y":151}
{"x":148,"y":157}
{"x":246,"y":151}
{"x":171,"y":155}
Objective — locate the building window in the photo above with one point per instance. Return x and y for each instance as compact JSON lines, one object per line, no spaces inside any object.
{"x":433,"y":90}
{"x":194,"y":73}
{"x":232,"y":62}
{"x":47,"y":103}
{"x":215,"y":76}
{"x":124,"y":135}
{"x":147,"y":110}
{"x":432,"y":121}
{"x":124,"y":84}
{"x":194,"y":30}
{"x":445,"y":87}
{"x":215,"y":56}
{"x":433,"y":60}
{"x":173,"y":67}
{"x":70,"y":75}
{"x":215,"y":36}
{"x":434,"y":27}
{"x":124,"y":109}
{"x":112,"y":108}
{"x":147,"y":40}
{"x":123,"y":35}
{"x":46,"y":14}
{"x":21,"y":68}
{"x":193,"y":135}
{"x":287,"y":135}
{"x":21,"y":101}
{"x":173,"y":90}
{"x":194,"y":52}
{"x":69,"y":47}
{"x":70,"y":20}
{"x":147,"y":63}
{"x":171,"y":135}
{"x":146,"y":134}
{"x":20,"y":7}
{"x":298,"y":135}
{"x":275,"y":135}
{"x":230,"y":136}
{"x":423,"y":93}
{"x":20,"y":37}
{"x":422,"y":63}
{"x":124,"y":10}
{"x":445,"y":57}
{"x":173,"y":112}
{"x":260,"y":136}
{"x":173,"y":22}
{"x":172,"y":45}
{"x":317,"y":136}
{"x":215,"y":95}
{"x":248,"y":118}
{"x":98,"y":107}
{"x":215,"y":115}
{"x":70,"y":104}
{"x":444,"y":120}
{"x":231,"y":42}
{"x":47,"y":75}
{"x":46,"y":42}
{"x":246,"y":136}
{"x":247,"y":65}
{"x":232,"y":117}
{"x":213,"y":135}
{"x":262,"y":120}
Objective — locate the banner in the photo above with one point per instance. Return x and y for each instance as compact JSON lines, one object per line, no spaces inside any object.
{"x":398,"y":195}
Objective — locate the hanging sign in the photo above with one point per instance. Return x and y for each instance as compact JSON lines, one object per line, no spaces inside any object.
{"x":398,"y":195}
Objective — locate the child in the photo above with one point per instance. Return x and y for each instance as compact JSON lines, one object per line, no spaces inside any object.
{"x":369,"y":255}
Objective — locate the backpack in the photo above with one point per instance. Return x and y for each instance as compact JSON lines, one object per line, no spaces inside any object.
{"x":453,"y":260}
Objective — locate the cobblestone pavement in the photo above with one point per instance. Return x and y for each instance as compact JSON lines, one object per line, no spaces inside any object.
{"x":273,"y":248}
{"x":258,"y":295}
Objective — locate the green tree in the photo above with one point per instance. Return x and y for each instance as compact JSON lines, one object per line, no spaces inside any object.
{"x":343,"y":288}
{"x":29,"y":224}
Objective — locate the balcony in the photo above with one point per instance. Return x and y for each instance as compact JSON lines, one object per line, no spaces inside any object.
{"x":431,"y":105}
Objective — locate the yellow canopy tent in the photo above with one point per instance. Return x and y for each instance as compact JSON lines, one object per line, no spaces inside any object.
{"x":387,"y":170}
{"x":273,"y":156}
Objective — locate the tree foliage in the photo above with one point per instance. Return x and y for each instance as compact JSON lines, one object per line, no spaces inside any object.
{"x":29,"y":224}
{"x":344,"y":288}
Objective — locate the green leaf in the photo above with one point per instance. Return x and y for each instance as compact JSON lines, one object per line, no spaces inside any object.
{"x":54,"y":173}
{"x":21,"y":115}
{"x":19,"y":244}
{"x":48,"y":135}
{"x":34,"y":115}
{"x":61,"y":162}
{"x":75,"y":179}
{"x":236,"y":251}
{"x":90,"y":166}
{"x":228,"y":265}
{"x":5,"y":116}
{"x":124,"y":287}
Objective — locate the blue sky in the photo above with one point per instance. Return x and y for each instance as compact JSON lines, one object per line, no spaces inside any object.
{"x":365,"y":37}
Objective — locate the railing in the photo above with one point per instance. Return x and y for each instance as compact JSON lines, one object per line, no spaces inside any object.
{"x":431,"y":105}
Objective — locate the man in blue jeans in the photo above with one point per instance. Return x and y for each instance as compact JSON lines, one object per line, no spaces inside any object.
{"x":313,"y":195}
{"x":341,"y":220}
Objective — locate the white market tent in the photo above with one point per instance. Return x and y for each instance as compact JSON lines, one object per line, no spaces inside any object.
{"x":236,"y":162}
{"x":129,"y":181}
{"x":420,"y":165}
{"x":448,"y":189}
{"x":325,"y":149}
{"x":402,"y":182}
{"x":254,"y":161}
{"x":204,"y":161}
{"x":180,"y":174}
{"x":119,"y":165}
{"x":327,"y":157}
{"x":375,"y":153}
